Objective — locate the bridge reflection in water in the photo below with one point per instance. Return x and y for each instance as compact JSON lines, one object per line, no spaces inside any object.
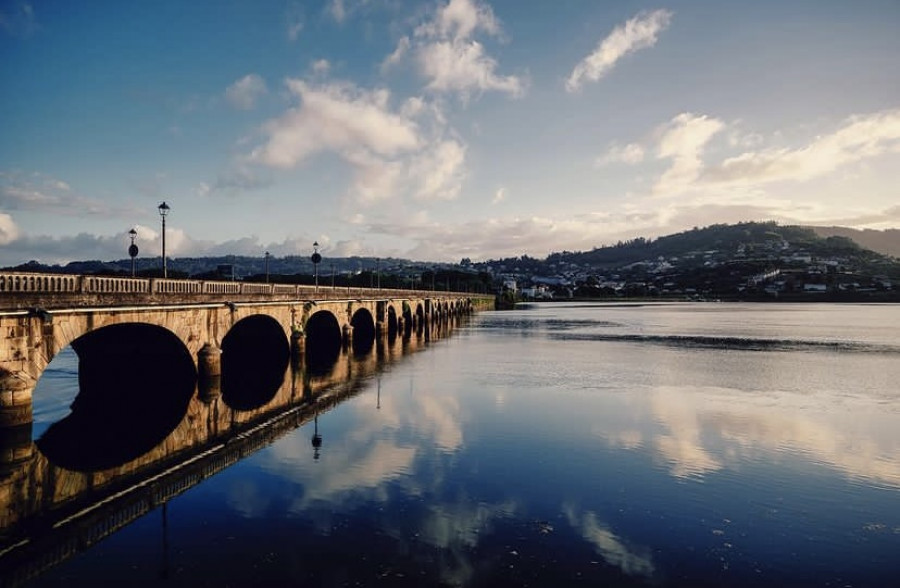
{"x":90,"y":475}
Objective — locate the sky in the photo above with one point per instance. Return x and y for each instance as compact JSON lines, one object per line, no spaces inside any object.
{"x":440,"y":129}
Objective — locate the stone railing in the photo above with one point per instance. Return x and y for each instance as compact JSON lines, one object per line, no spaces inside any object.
{"x":20,"y":290}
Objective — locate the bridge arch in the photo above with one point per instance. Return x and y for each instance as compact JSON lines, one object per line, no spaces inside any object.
{"x":255,"y":356}
{"x":363,"y":324}
{"x":391,"y":321}
{"x":323,"y":340}
{"x":420,"y":317}
{"x":407,"y":319}
{"x":124,"y":370}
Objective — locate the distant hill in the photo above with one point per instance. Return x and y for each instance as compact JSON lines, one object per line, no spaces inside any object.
{"x":886,"y":242}
{"x":750,"y":237}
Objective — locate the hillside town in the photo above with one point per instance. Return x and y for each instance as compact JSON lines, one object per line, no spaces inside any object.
{"x":773,"y":269}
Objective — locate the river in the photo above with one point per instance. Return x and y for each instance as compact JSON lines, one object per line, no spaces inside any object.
{"x":558,"y":444}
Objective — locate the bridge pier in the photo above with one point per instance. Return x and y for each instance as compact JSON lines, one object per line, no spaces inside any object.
{"x":298,"y":345}
{"x":15,"y":402}
{"x":16,"y":448}
{"x":209,"y":372}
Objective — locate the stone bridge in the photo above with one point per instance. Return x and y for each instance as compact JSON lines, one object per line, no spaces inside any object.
{"x":226,"y":337}
{"x":88,"y":476}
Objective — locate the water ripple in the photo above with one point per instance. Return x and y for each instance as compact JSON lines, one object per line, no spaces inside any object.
{"x":738,"y":343}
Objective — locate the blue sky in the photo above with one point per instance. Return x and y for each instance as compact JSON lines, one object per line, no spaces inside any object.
{"x":437,"y":130}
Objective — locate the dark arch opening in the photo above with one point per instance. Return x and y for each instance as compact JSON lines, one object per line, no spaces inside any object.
{"x":420,"y":319}
{"x":255,"y":356}
{"x":323,"y":342}
{"x":392,"y":322}
{"x":135,"y":382}
{"x":407,"y":321}
{"x":363,"y":324}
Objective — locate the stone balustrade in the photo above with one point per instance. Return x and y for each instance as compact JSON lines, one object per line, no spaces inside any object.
{"x":22,"y":290}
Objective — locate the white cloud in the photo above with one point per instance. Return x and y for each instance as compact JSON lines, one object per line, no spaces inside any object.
{"x":52,"y":249}
{"x":743,"y":179}
{"x":449,"y":58}
{"x":335,"y":117}
{"x":682,"y":140}
{"x":882,"y":219}
{"x":438,"y":172}
{"x":612,"y":549}
{"x":413,"y":107}
{"x":514,"y":236}
{"x":243,"y":93}
{"x":499,"y":196}
{"x":709,"y":429}
{"x":629,"y":154}
{"x":389,"y":152}
{"x":39,"y":192}
{"x":637,"y":33}
{"x":374,"y":178}
{"x":463,"y":67}
{"x":9,"y":232}
{"x":459,"y":19}
{"x":681,"y":446}
{"x":397,"y":55}
{"x":860,"y":137}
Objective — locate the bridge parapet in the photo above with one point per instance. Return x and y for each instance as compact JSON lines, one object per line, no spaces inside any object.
{"x":25,"y":290}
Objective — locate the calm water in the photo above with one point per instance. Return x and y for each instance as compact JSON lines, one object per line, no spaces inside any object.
{"x":556,"y":445}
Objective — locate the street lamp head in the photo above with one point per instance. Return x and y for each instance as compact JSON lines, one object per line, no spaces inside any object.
{"x":163,"y":209}
{"x":132,"y":249}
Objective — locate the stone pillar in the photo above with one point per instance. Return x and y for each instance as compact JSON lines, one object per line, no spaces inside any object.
{"x":298,"y":346}
{"x":380,"y":330}
{"x":15,"y":401}
{"x":209,"y":370}
{"x":347,"y":335}
{"x":16,"y":448}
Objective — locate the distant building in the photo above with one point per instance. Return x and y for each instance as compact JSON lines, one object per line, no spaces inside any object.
{"x":537,"y":292}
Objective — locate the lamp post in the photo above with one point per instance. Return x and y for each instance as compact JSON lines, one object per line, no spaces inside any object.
{"x":316,"y":438}
{"x":163,"y":211}
{"x":316,"y":258}
{"x":132,"y":249}
{"x":378,"y":273}
{"x":267,"y":267}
